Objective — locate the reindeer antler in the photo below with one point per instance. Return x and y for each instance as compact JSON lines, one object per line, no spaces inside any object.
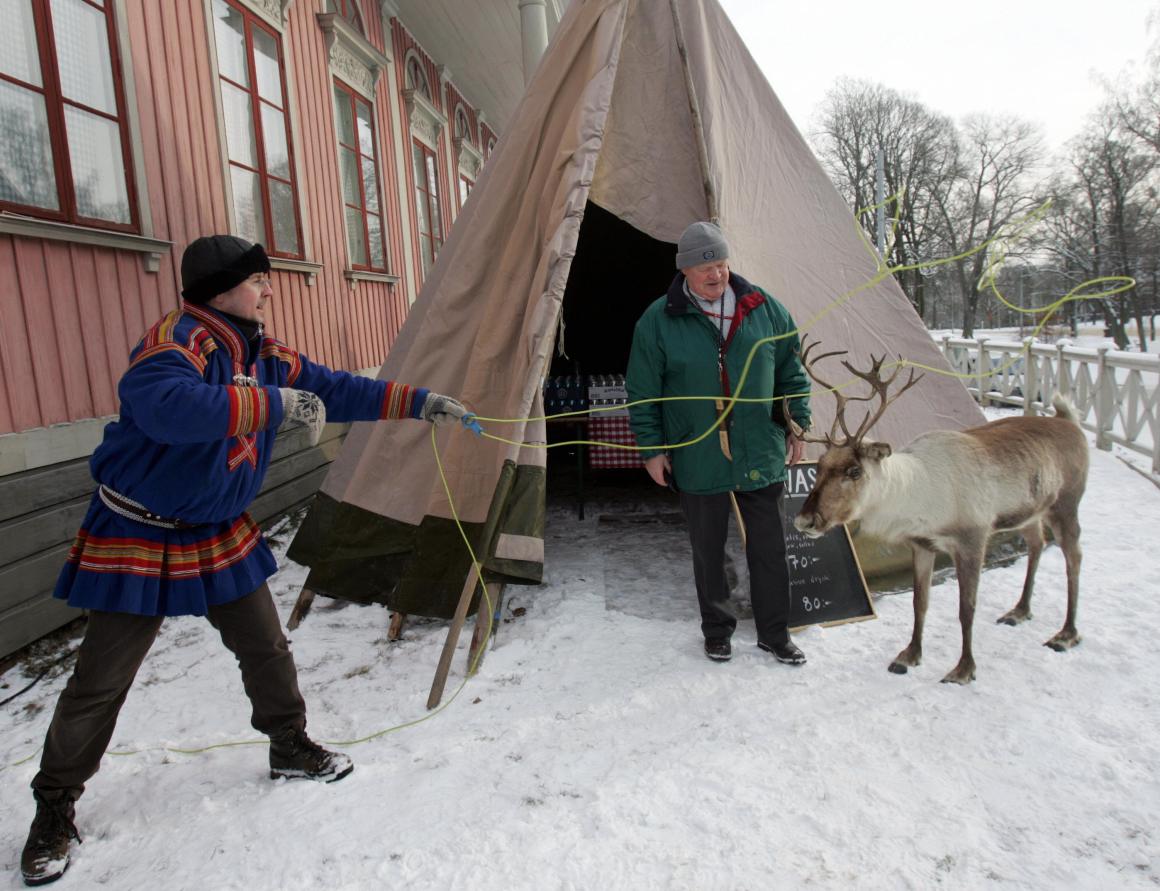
{"x":808,"y":361}
{"x":878,"y":387}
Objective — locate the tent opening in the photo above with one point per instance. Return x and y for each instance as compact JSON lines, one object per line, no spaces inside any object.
{"x":616,"y":273}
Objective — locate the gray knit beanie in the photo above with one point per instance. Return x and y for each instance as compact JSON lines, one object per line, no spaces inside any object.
{"x":701,"y":243}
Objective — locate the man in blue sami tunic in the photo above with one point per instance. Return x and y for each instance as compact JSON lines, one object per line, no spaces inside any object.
{"x":167,"y":533}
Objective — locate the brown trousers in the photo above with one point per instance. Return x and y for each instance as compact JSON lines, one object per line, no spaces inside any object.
{"x":112,"y":651}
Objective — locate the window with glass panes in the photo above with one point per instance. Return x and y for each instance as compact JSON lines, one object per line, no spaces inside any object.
{"x":64,"y":138}
{"x":358,"y":165}
{"x":416,"y":78}
{"x":427,"y":202}
{"x":465,"y":187}
{"x":251,"y":74}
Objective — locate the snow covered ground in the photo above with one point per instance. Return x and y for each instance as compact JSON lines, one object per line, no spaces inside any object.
{"x":598,"y":748}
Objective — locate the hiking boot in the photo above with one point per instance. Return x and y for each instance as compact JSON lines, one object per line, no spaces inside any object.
{"x":295,"y":756}
{"x":718,"y":649}
{"x":45,"y":856}
{"x":786,"y":652}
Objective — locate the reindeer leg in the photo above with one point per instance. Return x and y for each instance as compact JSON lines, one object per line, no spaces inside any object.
{"x":1066,"y":531}
{"x":968,"y":564}
{"x":1032,"y":534}
{"x":923,"y":561}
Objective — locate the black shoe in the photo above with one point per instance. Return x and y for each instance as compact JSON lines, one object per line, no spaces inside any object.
{"x":718,"y":649}
{"x":45,"y":856}
{"x":786,"y":652}
{"x":295,"y":756}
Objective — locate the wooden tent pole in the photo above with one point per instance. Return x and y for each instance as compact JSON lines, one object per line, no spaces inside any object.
{"x":485,"y":626}
{"x":698,"y":125}
{"x":301,"y":608}
{"x":457,"y":621}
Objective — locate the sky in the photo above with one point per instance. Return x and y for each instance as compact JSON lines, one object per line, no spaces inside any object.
{"x":598,"y":748}
{"x":1038,"y":59}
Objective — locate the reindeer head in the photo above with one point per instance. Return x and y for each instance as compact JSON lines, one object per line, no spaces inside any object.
{"x":850,"y":461}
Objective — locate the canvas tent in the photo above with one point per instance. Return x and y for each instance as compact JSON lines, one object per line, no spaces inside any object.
{"x":607,"y":127}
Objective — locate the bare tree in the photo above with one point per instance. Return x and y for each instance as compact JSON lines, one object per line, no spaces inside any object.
{"x":920,"y":154}
{"x":1000,"y":158}
{"x":1137,"y":107}
{"x":1105,"y":218}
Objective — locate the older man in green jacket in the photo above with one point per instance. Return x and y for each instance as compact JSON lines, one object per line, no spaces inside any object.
{"x":695,"y":341}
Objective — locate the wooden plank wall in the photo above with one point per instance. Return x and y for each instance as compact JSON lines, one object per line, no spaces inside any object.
{"x":41,"y":510}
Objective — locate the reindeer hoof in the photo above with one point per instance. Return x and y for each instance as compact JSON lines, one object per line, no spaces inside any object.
{"x":897,"y":668}
{"x":1063,"y":641}
{"x":960,"y":676}
{"x":1012,"y":617}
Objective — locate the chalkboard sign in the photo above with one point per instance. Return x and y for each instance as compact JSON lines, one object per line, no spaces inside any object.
{"x":826,"y":584}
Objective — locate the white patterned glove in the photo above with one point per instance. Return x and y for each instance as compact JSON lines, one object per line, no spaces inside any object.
{"x":440,"y":410}
{"x":305,"y":408}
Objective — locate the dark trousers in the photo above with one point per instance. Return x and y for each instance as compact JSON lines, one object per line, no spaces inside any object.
{"x":708,"y":520}
{"x":112,"y":651}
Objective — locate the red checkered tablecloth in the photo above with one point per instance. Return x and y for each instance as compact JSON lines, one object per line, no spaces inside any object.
{"x":602,"y":428}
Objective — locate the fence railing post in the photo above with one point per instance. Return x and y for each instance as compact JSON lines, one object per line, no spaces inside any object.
{"x":1156,"y":450}
{"x":1105,"y":400}
{"x":1030,"y":377}
{"x":983,"y":370}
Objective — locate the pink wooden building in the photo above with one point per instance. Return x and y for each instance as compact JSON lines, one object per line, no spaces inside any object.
{"x":344,"y":135}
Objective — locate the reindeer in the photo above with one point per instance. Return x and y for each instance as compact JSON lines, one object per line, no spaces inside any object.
{"x":949,"y":491}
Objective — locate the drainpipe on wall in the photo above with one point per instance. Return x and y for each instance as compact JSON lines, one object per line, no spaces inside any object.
{"x":534,"y":31}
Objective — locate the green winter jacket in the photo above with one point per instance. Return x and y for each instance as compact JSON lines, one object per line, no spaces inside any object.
{"x":674,"y":353}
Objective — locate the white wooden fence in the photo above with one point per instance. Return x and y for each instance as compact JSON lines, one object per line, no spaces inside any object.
{"x":1116,"y":394}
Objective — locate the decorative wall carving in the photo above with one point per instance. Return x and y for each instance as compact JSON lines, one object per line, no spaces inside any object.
{"x":425,"y":120}
{"x":273,"y":11}
{"x":468,"y":158}
{"x":354,"y":72}
{"x":352,"y":57}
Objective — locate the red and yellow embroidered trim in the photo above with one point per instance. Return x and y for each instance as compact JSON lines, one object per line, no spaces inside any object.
{"x":148,"y":352}
{"x":201,"y":341}
{"x":162,"y":330}
{"x":160,"y":339}
{"x":222,"y":331}
{"x":249,"y":410}
{"x":397,"y":403}
{"x":139,"y":556}
{"x":281,"y":352}
{"x":243,"y":448}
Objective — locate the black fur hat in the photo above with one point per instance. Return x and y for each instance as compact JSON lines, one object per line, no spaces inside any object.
{"x":213,"y":264}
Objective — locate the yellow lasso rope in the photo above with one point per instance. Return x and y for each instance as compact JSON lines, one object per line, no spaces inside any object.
{"x":1118,"y":285}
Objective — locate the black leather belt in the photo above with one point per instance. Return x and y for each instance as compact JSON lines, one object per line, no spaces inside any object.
{"x":130,"y":509}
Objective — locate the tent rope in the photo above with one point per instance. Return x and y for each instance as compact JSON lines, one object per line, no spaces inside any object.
{"x":1112,"y":284}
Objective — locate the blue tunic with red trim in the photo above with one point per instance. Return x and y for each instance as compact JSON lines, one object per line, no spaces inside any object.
{"x":193,"y":442}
